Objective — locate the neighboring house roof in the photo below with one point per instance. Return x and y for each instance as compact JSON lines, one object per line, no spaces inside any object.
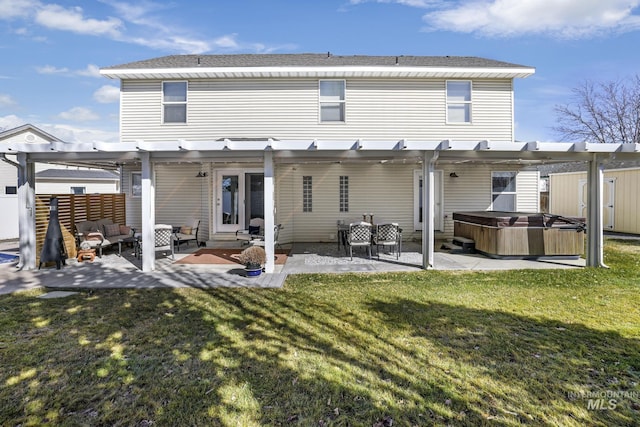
{"x":75,"y":174}
{"x":194,"y":66}
{"x":32,"y":129}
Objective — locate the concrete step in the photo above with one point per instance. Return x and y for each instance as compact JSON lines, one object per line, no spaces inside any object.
{"x":466,"y":244}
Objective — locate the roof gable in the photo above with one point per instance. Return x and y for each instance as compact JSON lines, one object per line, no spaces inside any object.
{"x":28,"y":134}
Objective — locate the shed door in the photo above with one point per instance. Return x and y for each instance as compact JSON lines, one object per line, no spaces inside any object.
{"x":608,"y":208}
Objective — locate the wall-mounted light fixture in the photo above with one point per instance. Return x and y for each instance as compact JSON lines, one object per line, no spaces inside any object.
{"x":201,"y":174}
{"x":453,"y":175}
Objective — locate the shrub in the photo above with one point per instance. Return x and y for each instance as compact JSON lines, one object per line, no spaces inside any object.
{"x":253,"y":257}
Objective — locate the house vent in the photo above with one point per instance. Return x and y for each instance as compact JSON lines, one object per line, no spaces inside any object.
{"x":30,"y":137}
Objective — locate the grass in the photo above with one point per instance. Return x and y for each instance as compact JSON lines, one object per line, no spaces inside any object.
{"x":443,"y":348}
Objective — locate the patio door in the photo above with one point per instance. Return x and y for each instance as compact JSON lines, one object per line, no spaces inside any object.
{"x":240,"y":196}
{"x":438,"y":220}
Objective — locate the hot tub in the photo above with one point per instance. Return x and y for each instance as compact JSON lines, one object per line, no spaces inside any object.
{"x":520,"y":234}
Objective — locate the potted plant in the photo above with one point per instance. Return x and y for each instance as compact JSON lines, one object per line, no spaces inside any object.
{"x":253,"y":258}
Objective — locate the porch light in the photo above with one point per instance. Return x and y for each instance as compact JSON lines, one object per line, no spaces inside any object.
{"x":453,"y":175}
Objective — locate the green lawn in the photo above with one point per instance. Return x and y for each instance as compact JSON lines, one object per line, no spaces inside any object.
{"x":449,"y":348}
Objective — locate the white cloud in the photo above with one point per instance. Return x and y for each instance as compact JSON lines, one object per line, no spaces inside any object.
{"x":413,"y":3}
{"x":107,"y":94}
{"x":78,"y":114}
{"x":58,"y":18}
{"x":6,"y":100}
{"x":91,"y":71}
{"x":11,"y":121}
{"x":566,"y":19}
{"x":50,"y":69}
{"x":63,"y":132}
{"x":10,"y":9}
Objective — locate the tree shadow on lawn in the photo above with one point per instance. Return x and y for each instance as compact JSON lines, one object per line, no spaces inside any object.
{"x":537,"y":370}
{"x":256,"y":357}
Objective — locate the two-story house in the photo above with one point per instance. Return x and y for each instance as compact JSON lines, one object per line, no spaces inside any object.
{"x":306,"y":140}
{"x":346,"y":101}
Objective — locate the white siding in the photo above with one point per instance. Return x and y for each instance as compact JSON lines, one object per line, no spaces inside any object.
{"x":288,"y":109}
{"x":384,"y":190}
{"x":91,"y":187}
{"x":527,"y":186}
{"x":180,"y":197}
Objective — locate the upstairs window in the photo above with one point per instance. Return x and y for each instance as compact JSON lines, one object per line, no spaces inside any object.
{"x":78,"y":190}
{"x":332,"y":101}
{"x":458,"y":101}
{"x":174,"y":102}
{"x":503,"y":191}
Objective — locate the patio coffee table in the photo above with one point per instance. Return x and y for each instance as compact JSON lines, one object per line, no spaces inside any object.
{"x":128,"y":240}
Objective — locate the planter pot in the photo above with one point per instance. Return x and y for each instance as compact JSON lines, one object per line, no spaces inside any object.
{"x":253,"y":272}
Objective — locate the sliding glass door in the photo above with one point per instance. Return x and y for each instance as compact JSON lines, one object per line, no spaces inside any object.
{"x":240,"y":197}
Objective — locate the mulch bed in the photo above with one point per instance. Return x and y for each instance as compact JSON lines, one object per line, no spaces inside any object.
{"x":223,"y":256}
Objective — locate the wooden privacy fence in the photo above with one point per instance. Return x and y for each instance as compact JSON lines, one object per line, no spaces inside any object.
{"x":74,"y":208}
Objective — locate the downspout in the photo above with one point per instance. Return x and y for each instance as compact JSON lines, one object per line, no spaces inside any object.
{"x":11,"y":162}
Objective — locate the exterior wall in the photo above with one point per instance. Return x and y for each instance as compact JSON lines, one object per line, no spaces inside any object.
{"x":180,"y":197}
{"x":563,"y":197}
{"x":384,"y":190}
{"x":289,"y":109}
{"x":8,"y":202}
{"x":58,"y":187}
{"x":471,"y":191}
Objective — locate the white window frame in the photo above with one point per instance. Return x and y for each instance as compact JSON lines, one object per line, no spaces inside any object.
{"x":450,"y":103}
{"x":72,"y":191}
{"x":343,"y":102}
{"x":185,"y":103}
{"x":133,"y":193}
{"x":514,"y":192}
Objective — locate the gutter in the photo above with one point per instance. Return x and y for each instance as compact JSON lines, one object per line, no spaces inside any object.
{"x":11,"y":162}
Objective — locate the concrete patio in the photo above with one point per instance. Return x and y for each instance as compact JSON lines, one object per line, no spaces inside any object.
{"x":113,"y":271}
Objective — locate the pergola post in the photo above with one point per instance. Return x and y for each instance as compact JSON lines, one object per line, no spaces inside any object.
{"x":269,"y":212}
{"x":148,"y":213}
{"x":429,"y":159}
{"x":595,"y":236}
{"x":26,"y":212}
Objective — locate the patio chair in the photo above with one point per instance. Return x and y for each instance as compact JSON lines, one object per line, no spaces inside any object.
{"x":259,"y":240}
{"x":255,"y":231}
{"x":187,"y":233}
{"x":387,"y":235}
{"x":164,"y":238}
{"x":359,"y":234}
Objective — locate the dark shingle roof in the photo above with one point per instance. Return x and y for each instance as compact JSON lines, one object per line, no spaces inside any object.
{"x":311,"y":60}
{"x":77,"y":174}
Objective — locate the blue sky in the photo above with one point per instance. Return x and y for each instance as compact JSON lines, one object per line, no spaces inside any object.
{"x":51,"y":51}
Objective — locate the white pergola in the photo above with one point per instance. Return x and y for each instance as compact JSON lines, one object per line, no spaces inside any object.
{"x":270,"y":151}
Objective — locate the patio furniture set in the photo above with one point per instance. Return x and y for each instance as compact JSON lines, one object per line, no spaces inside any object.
{"x":367,"y":234}
{"x":92,"y":236}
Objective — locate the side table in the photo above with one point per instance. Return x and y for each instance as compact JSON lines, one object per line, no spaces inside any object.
{"x":129,"y":240}
{"x":84,"y":254}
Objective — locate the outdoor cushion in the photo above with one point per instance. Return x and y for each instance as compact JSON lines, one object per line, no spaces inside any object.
{"x":111,"y":230}
{"x":185,"y":230}
{"x":125,"y":230}
{"x":102,"y":222}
